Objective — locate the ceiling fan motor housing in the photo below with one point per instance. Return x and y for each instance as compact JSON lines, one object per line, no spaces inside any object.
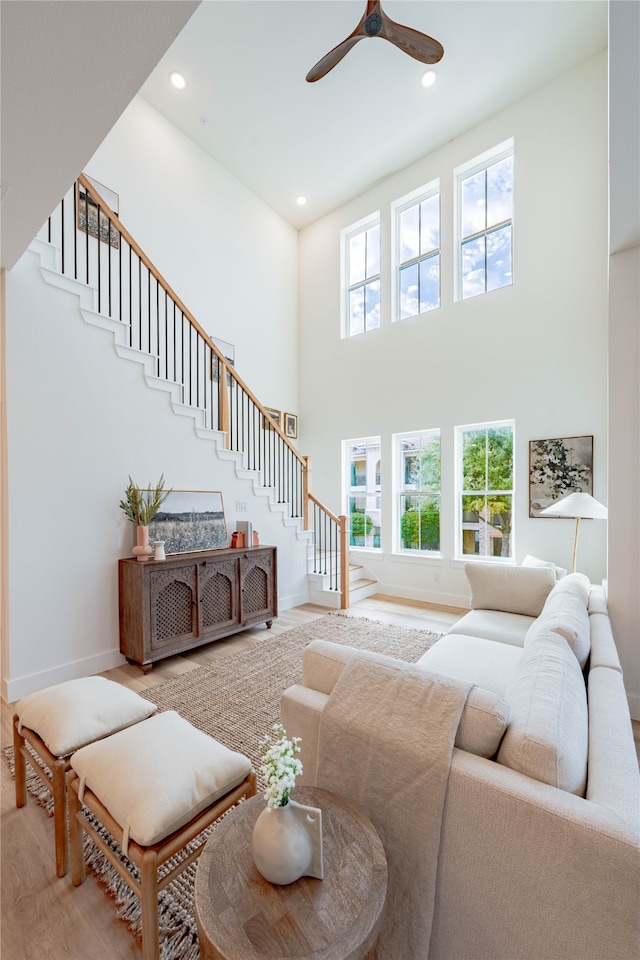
{"x":373,"y":24}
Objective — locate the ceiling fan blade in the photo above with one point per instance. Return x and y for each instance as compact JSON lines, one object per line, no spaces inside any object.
{"x":417,"y":45}
{"x":375,"y":23}
{"x":334,"y":56}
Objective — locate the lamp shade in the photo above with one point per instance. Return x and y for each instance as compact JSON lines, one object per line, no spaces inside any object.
{"x":577,"y":505}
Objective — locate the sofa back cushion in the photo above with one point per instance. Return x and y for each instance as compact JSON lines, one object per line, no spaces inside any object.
{"x":547,"y":737}
{"x":565,"y":612}
{"x":484,"y":718}
{"x":530,"y":561}
{"x":509,"y":587}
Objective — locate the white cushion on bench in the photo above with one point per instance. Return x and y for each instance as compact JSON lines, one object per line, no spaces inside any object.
{"x":71,"y":714}
{"x":157,"y":775}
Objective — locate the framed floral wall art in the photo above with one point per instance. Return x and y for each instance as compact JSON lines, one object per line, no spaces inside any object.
{"x":557,"y":467}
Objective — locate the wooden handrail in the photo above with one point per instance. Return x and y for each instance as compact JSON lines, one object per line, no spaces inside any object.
{"x":326,"y":510}
{"x":331,"y":532}
{"x":87,"y":185}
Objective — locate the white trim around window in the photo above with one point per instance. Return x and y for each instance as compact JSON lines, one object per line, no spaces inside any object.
{"x":360,"y":276}
{"x":495,"y":228}
{"x":415,"y":220}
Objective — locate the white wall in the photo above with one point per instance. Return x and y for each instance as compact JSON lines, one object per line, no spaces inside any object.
{"x":228,"y":256}
{"x":624,"y":340}
{"x":80,"y":419}
{"x":534,"y":352}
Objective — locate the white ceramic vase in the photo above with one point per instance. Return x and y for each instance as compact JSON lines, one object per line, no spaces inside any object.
{"x":159,"y":553}
{"x":287,"y":843}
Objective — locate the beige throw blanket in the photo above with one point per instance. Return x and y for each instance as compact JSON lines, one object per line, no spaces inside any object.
{"x":385,"y":742}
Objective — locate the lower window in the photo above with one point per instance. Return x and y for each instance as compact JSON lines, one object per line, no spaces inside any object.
{"x":485,"y":495}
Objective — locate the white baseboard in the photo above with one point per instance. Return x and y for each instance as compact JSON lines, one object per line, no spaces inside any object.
{"x":19,"y":687}
{"x":424,"y":596}
{"x":287,"y":603}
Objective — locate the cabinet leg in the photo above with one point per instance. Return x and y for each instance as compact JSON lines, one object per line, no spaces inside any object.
{"x":269,"y":622}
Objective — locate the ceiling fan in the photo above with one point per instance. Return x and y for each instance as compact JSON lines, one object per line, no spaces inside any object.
{"x":375,"y":23}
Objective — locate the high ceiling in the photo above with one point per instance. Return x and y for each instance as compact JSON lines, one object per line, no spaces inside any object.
{"x":248,"y":105}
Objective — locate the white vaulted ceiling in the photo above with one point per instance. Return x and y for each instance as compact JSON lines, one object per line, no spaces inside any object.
{"x":70,"y":68}
{"x":245,"y":63}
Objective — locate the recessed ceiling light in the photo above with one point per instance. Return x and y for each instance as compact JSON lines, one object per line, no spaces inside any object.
{"x":428,"y":78}
{"x":178,"y":80}
{"x":301,"y":201}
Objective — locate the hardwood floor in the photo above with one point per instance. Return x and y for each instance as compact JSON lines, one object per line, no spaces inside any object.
{"x":46,"y":918}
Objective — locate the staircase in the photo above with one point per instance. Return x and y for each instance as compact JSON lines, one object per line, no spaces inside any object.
{"x":120,"y":291}
{"x":360,"y":586}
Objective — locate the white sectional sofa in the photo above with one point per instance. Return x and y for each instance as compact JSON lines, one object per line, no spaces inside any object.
{"x":540,"y":839}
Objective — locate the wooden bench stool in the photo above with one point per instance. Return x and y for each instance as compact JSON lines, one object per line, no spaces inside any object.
{"x":154,"y":788}
{"x":59,"y":720}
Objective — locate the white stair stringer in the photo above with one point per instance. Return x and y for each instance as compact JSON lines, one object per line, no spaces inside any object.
{"x":86,"y":295}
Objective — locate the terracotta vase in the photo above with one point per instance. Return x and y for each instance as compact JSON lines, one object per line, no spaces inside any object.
{"x":287,"y":843}
{"x":142,"y":549}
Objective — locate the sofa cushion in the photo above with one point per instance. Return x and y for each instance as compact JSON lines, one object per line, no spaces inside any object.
{"x":510,"y":588}
{"x":496,"y":625}
{"x":157,"y":775}
{"x":575,"y":583}
{"x":485,"y":663}
{"x":530,"y":561}
{"x":484,"y":718}
{"x":547,"y":737}
{"x":565,"y":613}
{"x":71,"y":714}
{"x":603,"y":646}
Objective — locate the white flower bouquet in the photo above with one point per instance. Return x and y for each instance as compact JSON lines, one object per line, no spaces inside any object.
{"x":280,"y":767}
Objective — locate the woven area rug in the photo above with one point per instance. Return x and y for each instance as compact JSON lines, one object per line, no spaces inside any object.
{"x":236,"y":700}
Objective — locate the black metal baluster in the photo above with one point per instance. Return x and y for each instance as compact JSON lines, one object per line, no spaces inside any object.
{"x":139,"y":303}
{"x":148,"y":311}
{"x":120,"y":278}
{"x":184,"y":393}
{"x":62,"y":231}
{"x":99,"y":263}
{"x":74,"y":232}
{"x":166,"y":334}
{"x":86,"y":234}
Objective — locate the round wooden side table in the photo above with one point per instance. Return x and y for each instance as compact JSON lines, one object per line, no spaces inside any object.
{"x":240,"y":916}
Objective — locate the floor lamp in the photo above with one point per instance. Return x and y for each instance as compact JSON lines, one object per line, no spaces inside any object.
{"x":580,"y":506}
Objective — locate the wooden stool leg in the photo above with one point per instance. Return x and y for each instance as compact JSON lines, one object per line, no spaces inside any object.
{"x":78,"y":869}
{"x":58,"y":775}
{"x":20,"y":765}
{"x":149,"y":904}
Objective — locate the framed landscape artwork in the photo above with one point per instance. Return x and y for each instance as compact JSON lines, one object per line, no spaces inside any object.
{"x":291,"y":425}
{"x":557,"y":467}
{"x":190,"y":520}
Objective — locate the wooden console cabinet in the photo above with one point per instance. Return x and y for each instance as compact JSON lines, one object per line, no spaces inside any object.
{"x":173,"y":605}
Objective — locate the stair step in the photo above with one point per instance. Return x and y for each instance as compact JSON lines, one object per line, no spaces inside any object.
{"x":362,"y":588}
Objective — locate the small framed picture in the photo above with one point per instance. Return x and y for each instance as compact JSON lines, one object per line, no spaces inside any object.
{"x":273,"y":415}
{"x":291,"y":425}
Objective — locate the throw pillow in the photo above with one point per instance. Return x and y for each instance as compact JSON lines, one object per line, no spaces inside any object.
{"x":509,"y":587}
